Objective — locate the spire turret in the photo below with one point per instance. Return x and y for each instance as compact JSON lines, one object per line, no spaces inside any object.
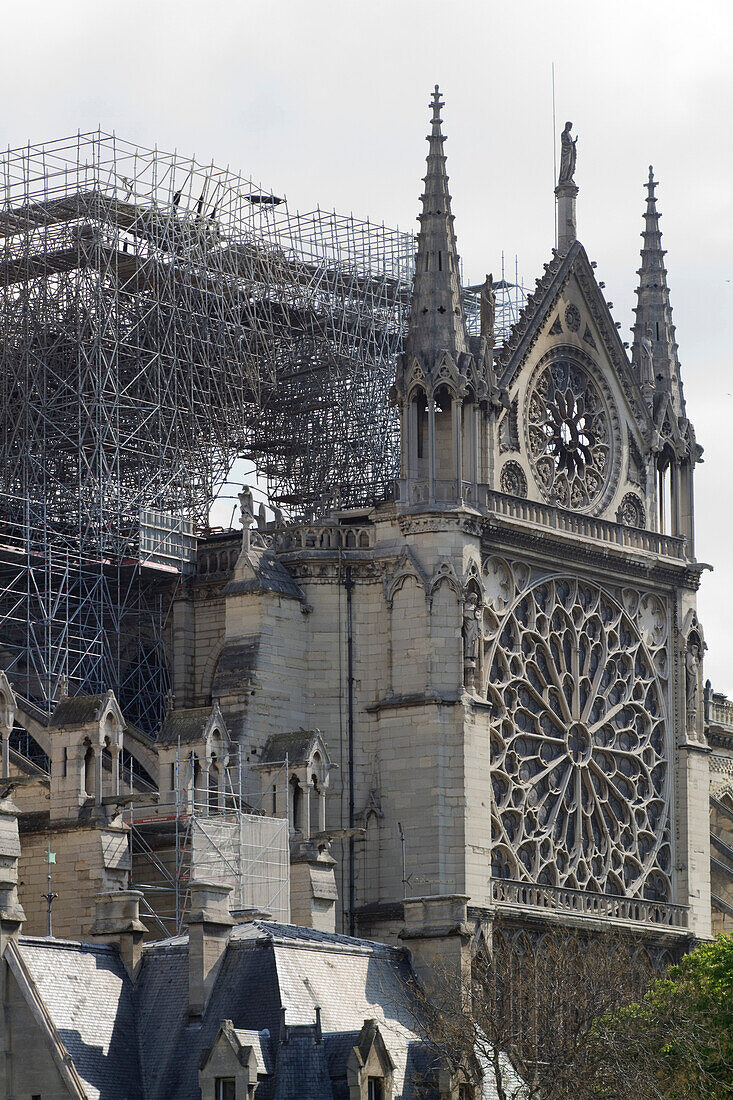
{"x":437,"y":323}
{"x":654,"y":352}
{"x":445,"y":383}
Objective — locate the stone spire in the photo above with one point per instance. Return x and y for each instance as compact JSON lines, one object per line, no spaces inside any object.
{"x":654,"y":352}
{"x":436,"y":323}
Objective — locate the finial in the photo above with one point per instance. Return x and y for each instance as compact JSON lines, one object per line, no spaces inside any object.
{"x":437,"y":104}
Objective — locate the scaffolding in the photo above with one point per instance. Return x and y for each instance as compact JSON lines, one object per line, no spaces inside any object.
{"x":221,"y":835}
{"x":160,"y":318}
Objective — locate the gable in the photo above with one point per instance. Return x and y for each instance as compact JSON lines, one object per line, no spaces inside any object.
{"x":576,"y":432}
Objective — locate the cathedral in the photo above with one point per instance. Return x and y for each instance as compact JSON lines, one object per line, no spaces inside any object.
{"x":488,"y":688}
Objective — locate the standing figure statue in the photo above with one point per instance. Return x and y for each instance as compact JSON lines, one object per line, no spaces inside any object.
{"x":246,"y":515}
{"x":471,"y":638}
{"x":647,"y":355}
{"x":692,"y":687}
{"x":488,"y":310}
{"x":568,"y":155}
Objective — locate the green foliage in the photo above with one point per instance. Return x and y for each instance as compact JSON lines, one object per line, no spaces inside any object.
{"x":677,"y":1042}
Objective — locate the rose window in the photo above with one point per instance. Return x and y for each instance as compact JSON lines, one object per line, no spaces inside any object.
{"x":578,"y":746}
{"x":569,"y":436}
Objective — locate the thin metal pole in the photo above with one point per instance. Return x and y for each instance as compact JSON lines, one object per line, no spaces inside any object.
{"x":50,"y":896}
{"x":554,"y":151}
{"x":349,"y":586}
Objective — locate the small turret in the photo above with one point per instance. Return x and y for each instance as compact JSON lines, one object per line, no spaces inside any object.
{"x":444,"y":378}
{"x":657,"y":370}
{"x":654,"y":352}
{"x":437,"y":323}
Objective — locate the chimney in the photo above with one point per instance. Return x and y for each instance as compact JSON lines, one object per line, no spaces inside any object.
{"x":11,"y":911}
{"x":209,"y":924}
{"x":117,"y":921}
{"x":438,"y":935}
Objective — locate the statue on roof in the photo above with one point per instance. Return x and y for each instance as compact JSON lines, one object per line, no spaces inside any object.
{"x":488,"y":310}
{"x":568,"y":155}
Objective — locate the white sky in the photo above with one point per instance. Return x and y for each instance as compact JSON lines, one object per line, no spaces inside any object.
{"x":326,"y":101}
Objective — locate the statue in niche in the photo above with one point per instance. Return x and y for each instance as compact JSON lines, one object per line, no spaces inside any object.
{"x":692,"y":684}
{"x":568,"y":155}
{"x":472,"y":614}
{"x":488,"y":310}
{"x":647,"y":357}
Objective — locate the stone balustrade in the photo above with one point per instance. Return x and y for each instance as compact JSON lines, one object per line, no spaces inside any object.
{"x":510,"y":896}
{"x":587,"y":527}
{"x":325,"y":536}
{"x":721,"y":713}
{"x":536,"y":513}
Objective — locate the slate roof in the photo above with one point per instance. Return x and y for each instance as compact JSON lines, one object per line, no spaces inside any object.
{"x":261,"y":1044}
{"x":188,"y":723}
{"x":130,"y":1042}
{"x":77,"y":711}
{"x":90,"y":999}
{"x":302,"y":1069}
{"x":296,"y":746}
{"x":268,"y":966}
{"x":265,"y":574}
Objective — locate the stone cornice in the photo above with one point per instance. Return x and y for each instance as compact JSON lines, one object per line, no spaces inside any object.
{"x":327,"y":567}
{"x":719,"y":739}
{"x":427,"y":699}
{"x":423,"y":523}
{"x":545,"y":543}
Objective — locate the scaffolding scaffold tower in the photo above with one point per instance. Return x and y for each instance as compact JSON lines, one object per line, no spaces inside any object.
{"x":159,"y":319}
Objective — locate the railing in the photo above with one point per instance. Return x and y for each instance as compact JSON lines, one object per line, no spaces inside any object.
{"x":325,"y":536}
{"x":417,"y":491}
{"x":575,"y":523}
{"x":721,"y":713}
{"x":512,"y":895}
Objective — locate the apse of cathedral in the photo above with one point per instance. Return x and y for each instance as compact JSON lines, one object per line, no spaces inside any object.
{"x":504,"y":661}
{"x":485,"y":689}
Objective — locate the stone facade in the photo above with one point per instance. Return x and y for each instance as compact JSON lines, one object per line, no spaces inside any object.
{"x":503,"y":662}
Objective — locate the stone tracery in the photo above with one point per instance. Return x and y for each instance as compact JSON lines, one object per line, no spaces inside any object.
{"x":569,"y":435}
{"x":579,"y":764}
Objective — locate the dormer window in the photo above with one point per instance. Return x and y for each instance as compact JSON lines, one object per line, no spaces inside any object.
{"x":226,"y":1088}
{"x":375,"y":1088}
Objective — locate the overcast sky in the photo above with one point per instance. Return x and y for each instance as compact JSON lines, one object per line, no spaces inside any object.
{"x":325,"y":101}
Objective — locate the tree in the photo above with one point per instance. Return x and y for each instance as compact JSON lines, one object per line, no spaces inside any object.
{"x":529,"y":1019}
{"x":569,"y":1015}
{"x":676,"y":1043}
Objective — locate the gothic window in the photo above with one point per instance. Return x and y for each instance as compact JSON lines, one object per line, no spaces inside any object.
{"x":226,"y":1088}
{"x":570,"y":433}
{"x":579,"y":767}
